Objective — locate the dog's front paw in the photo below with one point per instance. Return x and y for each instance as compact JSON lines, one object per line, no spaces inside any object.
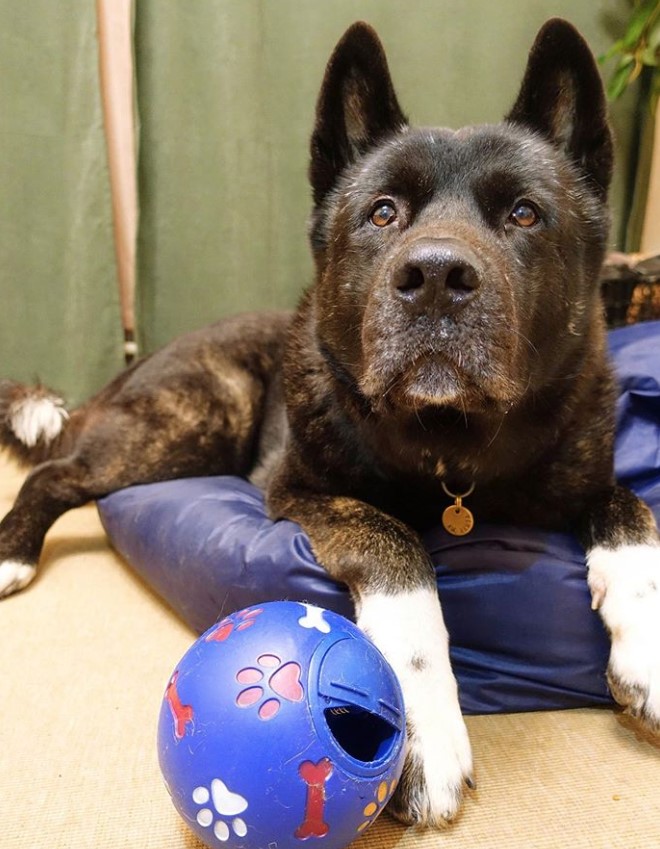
{"x":626,"y":586}
{"x":438,"y":766}
{"x":633,"y":673}
{"x":634,"y":681}
{"x":409,"y":629}
{"x":15,"y":576}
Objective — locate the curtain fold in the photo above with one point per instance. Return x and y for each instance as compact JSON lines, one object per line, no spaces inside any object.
{"x":59,"y":320}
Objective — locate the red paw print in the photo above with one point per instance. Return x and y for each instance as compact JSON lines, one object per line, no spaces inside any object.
{"x":235,"y":622}
{"x":284,"y":682}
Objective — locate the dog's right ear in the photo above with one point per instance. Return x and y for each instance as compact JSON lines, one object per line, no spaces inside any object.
{"x":357,"y":107}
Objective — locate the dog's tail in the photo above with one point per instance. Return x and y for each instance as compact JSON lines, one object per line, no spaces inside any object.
{"x":33,"y":420}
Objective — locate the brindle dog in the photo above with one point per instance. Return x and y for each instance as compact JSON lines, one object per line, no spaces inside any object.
{"x":454,"y":336}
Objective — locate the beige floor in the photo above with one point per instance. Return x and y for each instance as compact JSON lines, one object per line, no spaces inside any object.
{"x":85,"y":654}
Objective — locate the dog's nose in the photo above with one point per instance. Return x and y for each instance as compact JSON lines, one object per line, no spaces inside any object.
{"x":436,"y":272}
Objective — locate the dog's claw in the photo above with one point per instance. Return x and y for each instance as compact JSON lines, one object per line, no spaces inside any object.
{"x":470,"y":782}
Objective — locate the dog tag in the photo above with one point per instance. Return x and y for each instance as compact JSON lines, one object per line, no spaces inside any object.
{"x":457,"y":520}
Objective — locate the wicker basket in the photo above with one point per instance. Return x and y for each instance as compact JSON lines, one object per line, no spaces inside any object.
{"x":631,"y":289}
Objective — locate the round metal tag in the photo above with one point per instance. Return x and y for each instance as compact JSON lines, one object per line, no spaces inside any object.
{"x":457,"y":520}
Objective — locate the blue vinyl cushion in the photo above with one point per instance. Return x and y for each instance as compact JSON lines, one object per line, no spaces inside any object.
{"x":516,"y":602}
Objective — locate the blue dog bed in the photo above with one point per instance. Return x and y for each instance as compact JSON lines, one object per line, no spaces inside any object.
{"x":516,"y":602}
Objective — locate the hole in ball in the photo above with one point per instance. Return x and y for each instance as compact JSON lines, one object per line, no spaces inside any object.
{"x":361,"y":734}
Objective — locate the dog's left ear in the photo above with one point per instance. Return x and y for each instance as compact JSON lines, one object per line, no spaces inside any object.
{"x":562,"y":98}
{"x":356,"y":108}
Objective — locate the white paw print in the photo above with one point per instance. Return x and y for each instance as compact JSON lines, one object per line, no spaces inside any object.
{"x":226,"y":804}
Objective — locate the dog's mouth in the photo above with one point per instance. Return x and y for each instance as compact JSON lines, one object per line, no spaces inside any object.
{"x":428,"y":381}
{"x":435,"y":381}
{"x":467,"y":380}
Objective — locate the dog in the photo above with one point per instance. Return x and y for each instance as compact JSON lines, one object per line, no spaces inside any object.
{"x":452,"y":342}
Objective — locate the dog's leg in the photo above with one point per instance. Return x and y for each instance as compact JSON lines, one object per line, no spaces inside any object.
{"x":623,"y":559}
{"x":123,"y":450}
{"x":392,"y":584}
{"x":126,"y":449}
{"x":194,"y":408}
{"x":49,"y":491}
{"x":408,"y":627}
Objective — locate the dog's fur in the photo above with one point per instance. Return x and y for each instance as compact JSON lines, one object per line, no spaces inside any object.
{"x":454,"y":334}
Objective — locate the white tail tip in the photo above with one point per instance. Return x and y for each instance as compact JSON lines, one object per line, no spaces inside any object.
{"x":32,"y":419}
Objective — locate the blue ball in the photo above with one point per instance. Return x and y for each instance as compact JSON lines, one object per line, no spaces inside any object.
{"x":282,"y":722}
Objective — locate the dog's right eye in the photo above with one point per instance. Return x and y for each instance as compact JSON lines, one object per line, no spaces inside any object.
{"x":383,"y":213}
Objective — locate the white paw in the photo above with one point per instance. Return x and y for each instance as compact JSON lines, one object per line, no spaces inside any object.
{"x":438,"y":765}
{"x":409,"y":629}
{"x":218,"y":805}
{"x":15,"y":576}
{"x":625,"y":585}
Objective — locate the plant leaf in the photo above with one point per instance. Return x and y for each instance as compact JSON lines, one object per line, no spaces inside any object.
{"x":638,"y":22}
{"x":617,"y":47}
{"x":619,"y":80}
{"x":650,"y":56}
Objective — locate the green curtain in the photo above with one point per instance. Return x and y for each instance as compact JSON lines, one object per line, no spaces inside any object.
{"x":226,"y":97}
{"x":225,"y":93}
{"x":59,"y":318}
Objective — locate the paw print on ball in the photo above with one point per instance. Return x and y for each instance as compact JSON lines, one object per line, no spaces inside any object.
{"x":267,"y":683}
{"x":225,"y":804}
{"x":230,"y":624}
{"x":382,"y":796}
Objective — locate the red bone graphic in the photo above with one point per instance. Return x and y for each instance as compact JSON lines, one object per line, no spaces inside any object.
{"x":314,"y":776}
{"x":181,"y":714}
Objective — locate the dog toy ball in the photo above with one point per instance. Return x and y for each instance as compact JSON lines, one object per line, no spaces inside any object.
{"x":283,"y":722}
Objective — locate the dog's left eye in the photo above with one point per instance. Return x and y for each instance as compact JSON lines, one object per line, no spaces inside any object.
{"x":383,"y":213}
{"x":524,"y":214}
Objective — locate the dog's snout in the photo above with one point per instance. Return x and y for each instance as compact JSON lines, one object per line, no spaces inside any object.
{"x":438,"y":272}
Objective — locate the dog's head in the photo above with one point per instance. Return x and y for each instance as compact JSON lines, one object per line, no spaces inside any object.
{"x":459,"y":268}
